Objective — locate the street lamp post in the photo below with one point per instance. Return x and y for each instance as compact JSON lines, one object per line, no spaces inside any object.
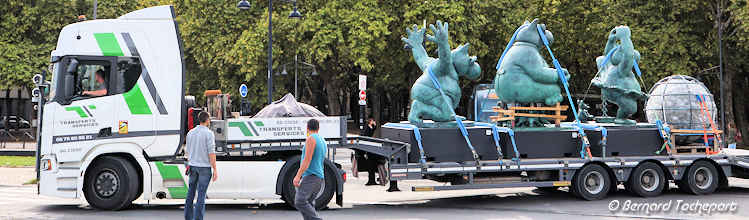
{"x":296,"y":72}
{"x":244,"y":5}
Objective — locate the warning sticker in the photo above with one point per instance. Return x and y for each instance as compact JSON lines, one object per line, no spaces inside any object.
{"x":123,"y":127}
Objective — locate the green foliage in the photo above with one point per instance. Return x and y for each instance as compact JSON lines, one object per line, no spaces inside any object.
{"x":225,"y":46}
{"x":17,"y":161}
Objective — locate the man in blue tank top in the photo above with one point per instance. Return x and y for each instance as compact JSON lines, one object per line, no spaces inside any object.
{"x":310,"y":179}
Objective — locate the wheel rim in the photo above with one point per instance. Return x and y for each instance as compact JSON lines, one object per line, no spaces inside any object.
{"x":703,"y":178}
{"x":649,"y":180}
{"x":106,"y":184}
{"x":593,"y":182}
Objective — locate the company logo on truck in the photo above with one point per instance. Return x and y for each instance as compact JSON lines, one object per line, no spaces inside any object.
{"x":251,"y":128}
{"x":82,"y":111}
{"x":248,"y":130}
{"x":86,"y":117}
{"x":280,"y":128}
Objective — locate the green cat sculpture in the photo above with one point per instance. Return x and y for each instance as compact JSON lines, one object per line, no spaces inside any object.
{"x":524,"y":76}
{"x":615,"y":78}
{"x":426,"y":100}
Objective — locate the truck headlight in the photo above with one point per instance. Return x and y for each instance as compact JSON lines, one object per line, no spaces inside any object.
{"x":46,"y":164}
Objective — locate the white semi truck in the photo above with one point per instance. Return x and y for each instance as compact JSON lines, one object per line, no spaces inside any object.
{"x":114,"y":148}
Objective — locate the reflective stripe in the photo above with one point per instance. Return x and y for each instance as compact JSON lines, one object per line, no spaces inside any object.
{"x":136,"y":102}
{"x":108,"y":44}
{"x":145,"y":74}
{"x":171,"y":172}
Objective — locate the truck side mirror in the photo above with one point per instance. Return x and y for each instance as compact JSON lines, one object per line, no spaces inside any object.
{"x":68,"y":86}
{"x":72,"y":66}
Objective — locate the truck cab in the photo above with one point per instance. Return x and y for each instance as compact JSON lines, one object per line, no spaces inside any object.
{"x":103,"y":102}
{"x":114,"y":119}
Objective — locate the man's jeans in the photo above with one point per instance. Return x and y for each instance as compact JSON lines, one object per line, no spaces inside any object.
{"x":310,"y":187}
{"x":200,"y":177}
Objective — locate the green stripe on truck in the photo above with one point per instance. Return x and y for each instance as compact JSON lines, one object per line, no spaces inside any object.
{"x":242,"y":127}
{"x":77,"y":109}
{"x":108,"y":44}
{"x":136,"y":102}
{"x":171,"y":172}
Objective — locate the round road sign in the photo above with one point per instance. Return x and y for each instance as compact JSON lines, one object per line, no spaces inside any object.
{"x":243,"y":90}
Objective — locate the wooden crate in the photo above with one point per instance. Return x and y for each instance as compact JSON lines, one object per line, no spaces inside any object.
{"x":693,"y":148}
{"x":522,"y":111}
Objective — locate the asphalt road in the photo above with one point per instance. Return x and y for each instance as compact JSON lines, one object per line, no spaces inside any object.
{"x":372,"y":202}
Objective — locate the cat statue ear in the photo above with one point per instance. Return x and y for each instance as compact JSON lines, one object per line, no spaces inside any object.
{"x":464,"y":48}
{"x":534,"y":23}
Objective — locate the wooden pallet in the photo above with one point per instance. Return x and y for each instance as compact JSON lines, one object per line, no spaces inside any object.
{"x":690,"y":149}
{"x":693,"y":148}
{"x":521,"y":111}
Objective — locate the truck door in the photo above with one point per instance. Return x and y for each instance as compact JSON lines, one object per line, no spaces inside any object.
{"x":85,"y":117}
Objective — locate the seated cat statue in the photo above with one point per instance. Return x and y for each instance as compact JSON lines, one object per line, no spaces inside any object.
{"x":426,"y":100}
{"x":524,"y":76}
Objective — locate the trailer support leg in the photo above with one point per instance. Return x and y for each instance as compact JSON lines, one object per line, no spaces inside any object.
{"x":371,"y":175}
{"x":393,"y":186}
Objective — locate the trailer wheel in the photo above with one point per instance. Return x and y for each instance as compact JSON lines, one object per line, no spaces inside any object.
{"x":592,"y":182}
{"x":647,"y":180}
{"x":110,"y":182}
{"x":701,"y":178}
{"x":289,"y":191}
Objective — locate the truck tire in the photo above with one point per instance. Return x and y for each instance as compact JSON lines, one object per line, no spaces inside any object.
{"x":646,"y":180}
{"x":592,"y":182}
{"x":701,"y":178}
{"x":289,"y":191}
{"x":110,"y":182}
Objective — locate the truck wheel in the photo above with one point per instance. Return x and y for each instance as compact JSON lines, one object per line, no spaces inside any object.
{"x":701,"y":178}
{"x":647,"y":180}
{"x":110,"y":183}
{"x":289,"y":191}
{"x":592,"y":182}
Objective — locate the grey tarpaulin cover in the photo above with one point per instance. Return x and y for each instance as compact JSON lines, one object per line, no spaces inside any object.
{"x":288,"y":107}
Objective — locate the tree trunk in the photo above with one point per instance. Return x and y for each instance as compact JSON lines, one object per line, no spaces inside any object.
{"x":334,"y":106}
{"x":742,"y":122}
{"x":730,"y":130}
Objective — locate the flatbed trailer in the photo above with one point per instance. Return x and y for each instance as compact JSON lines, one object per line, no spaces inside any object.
{"x":590,"y":178}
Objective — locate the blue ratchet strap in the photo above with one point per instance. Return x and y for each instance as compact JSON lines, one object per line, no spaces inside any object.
{"x":665,"y":132}
{"x":509,"y":44}
{"x":604,"y":135}
{"x":704,"y":124}
{"x":611,"y":53}
{"x":417,"y":135}
{"x":461,"y":126}
{"x":495,"y":134}
{"x":566,"y":89}
{"x":512,"y":139}
{"x":495,"y":131}
{"x":608,"y":57}
{"x":637,"y":69}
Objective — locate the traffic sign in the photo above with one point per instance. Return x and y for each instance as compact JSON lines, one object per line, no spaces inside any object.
{"x":243,"y":90}
{"x":362,"y":102}
{"x":362,"y":95}
{"x":362,"y":82}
